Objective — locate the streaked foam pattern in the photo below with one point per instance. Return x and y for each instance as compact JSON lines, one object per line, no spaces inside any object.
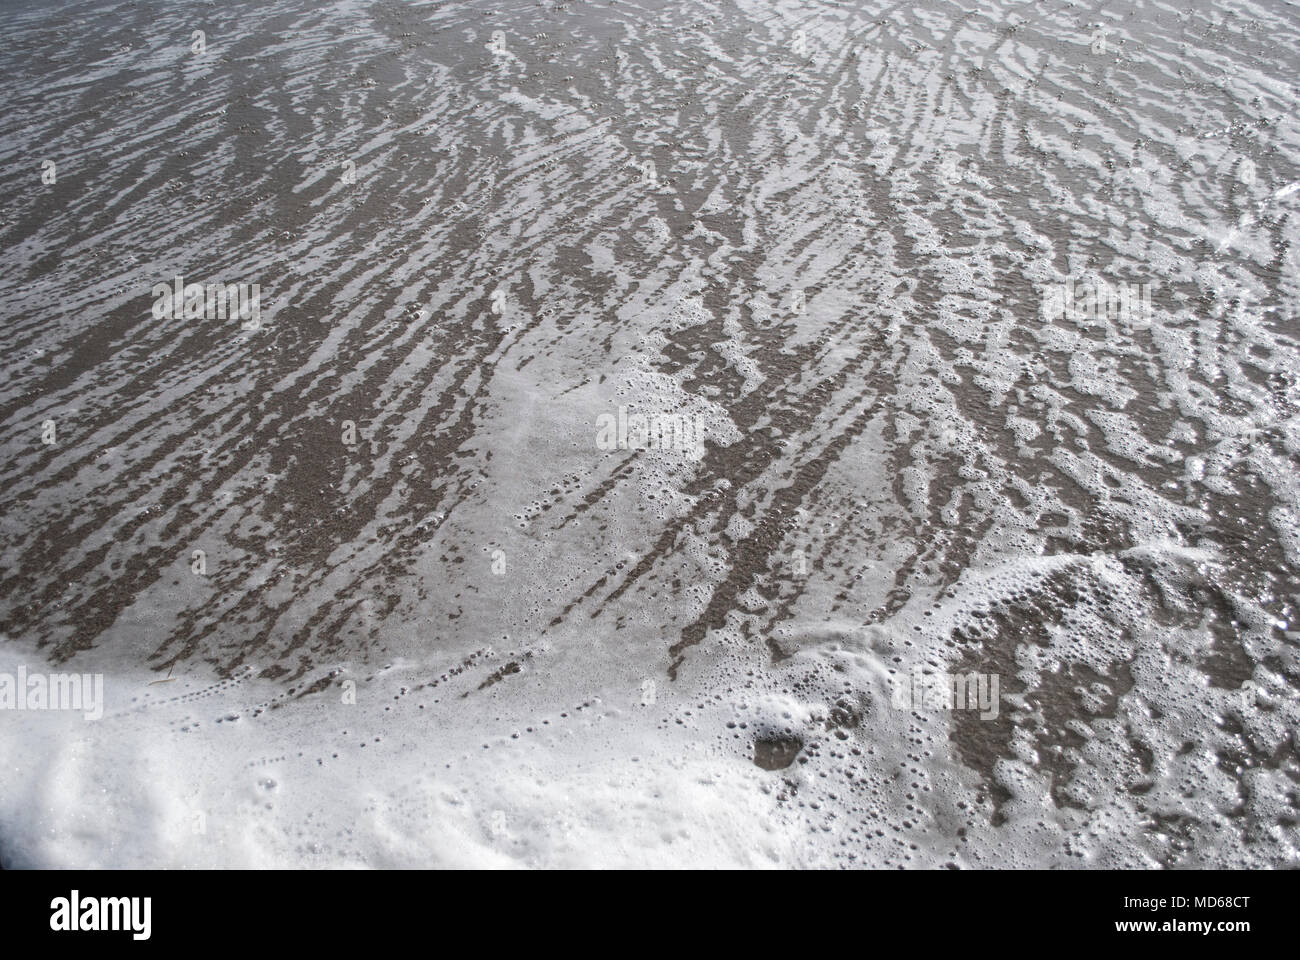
{"x":819,"y":233}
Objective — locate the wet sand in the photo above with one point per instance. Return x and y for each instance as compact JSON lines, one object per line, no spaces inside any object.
{"x":394,"y":567}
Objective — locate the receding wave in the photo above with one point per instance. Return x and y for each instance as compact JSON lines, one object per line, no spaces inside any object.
{"x":720,"y":433}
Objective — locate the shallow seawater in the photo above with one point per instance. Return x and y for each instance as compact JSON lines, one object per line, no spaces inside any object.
{"x":646,"y":410}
